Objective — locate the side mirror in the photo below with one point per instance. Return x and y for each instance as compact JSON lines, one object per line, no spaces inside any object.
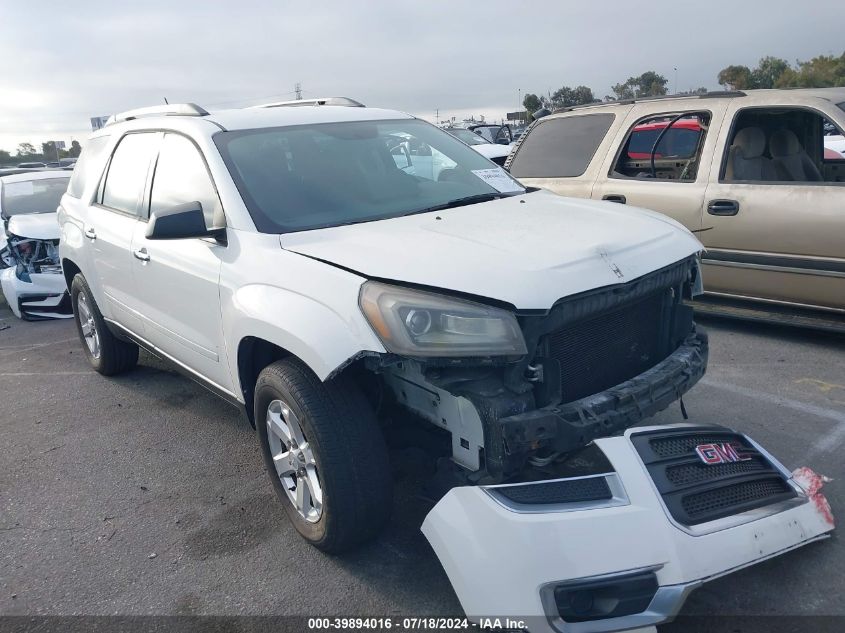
{"x":180,"y":222}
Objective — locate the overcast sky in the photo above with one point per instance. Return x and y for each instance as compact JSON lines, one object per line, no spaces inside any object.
{"x":64,"y":62}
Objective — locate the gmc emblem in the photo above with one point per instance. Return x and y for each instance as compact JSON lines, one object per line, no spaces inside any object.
{"x":723,"y":453}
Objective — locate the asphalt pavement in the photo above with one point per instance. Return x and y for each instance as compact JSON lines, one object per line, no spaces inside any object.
{"x":145,"y":494}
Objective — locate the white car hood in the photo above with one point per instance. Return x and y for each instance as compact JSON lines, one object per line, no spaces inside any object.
{"x":528,"y":251}
{"x":492,"y":150}
{"x":39,"y":226}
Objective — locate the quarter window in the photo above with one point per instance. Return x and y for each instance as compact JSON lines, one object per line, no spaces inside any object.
{"x":85,"y":166}
{"x":664,"y":147}
{"x":561,"y":147}
{"x":181,"y":176}
{"x":127,"y":174}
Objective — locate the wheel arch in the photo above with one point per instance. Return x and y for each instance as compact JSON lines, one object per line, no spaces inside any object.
{"x":70,"y":270}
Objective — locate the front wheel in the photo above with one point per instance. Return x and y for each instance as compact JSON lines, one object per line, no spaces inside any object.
{"x":107,"y":354}
{"x":325,"y":454}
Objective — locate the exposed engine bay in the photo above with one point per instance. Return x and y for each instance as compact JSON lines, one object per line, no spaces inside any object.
{"x":30,"y":255}
{"x":31,"y":278}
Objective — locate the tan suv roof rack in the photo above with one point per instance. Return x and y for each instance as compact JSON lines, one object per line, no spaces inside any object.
{"x":716,"y":94}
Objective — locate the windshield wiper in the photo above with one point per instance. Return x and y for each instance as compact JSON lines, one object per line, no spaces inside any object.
{"x":462,"y":202}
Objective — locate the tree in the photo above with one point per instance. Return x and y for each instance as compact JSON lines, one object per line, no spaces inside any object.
{"x":75,"y":149}
{"x":824,"y":71}
{"x":649,"y":84}
{"x":26,"y":149}
{"x":698,"y":91}
{"x":736,"y":78}
{"x":48,"y":150}
{"x":5,"y":157}
{"x":769,"y":70}
{"x":566,"y":97}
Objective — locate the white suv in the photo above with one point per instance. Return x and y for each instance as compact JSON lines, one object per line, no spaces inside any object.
{"x":287,"y":259}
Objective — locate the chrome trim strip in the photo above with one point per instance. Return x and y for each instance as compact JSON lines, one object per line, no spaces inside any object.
{"x":778,"y":269}
{"x":617,"y":490}
{"x":772,"y":301}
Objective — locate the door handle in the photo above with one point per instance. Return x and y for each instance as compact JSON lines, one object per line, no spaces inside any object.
{"x":90,"y":233}
{"x":142,"y":254}
{"x":723,"y":207}
{"x":615,"y":197}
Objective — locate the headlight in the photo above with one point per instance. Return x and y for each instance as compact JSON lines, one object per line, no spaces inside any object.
{"x":416,"y":323}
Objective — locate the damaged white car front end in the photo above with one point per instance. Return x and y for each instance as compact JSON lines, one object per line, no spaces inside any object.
{"x":31,"y":279}
{"x":667,"y":509}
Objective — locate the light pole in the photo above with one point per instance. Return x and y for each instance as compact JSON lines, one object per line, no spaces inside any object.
{"x":676,"y":80}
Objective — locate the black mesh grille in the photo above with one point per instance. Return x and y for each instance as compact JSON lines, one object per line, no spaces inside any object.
{"x":687,"y":474}
{"x":605,"y":350}
{"x":695,"y":492}
{"x":685,"y":444}
{"x":552,"y":492}
{"x":714,"y":502}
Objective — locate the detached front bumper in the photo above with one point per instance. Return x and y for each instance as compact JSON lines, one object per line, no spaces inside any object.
{"x":623,"y":549}
{"x":44,"y":296}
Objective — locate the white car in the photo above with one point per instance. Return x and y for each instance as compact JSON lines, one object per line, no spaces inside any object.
{"x":497,"y":152}
{"x":31,"y":277}
{"x":288,"y":260}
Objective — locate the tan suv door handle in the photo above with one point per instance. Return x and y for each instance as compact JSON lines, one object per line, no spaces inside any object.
{"x":90,"y":233}
{"x":723,"y":207}
{"x":142,"y":254}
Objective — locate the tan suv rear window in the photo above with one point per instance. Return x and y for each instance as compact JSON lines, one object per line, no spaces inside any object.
{"x":560,"y":148}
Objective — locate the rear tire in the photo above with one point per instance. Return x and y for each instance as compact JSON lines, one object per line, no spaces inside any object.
{"x":331,"y":469}
{"x":107,"y":354}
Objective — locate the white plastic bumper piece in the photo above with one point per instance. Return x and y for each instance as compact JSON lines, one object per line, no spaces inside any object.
{"x":507,"y":562}
{"x":43,"y":297}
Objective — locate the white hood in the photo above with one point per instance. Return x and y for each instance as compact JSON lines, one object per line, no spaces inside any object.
{"x":528,"y":251}
{"x":492,"y":150}
{"x":39,"y":226}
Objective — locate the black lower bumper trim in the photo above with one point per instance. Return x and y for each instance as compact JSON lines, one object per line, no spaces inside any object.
{"x":569,"y":426}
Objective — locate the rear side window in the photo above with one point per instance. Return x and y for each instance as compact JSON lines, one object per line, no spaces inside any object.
{"x":127,"y":173}
{"x":181,"y":176}
{"x":85,"y":167}
{"x":560,"y":148}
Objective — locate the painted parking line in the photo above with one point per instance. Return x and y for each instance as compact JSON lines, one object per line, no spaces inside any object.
{"x":825,"y":443}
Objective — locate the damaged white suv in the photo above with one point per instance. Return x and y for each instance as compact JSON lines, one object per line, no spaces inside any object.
{"x":291,"y":261}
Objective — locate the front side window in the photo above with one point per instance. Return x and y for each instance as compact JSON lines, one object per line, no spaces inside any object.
{"x":127,"y":173}
{"x":783,"y":145}
{"x":560,"y":147}
{"x":312,"y":176}
{"x":32,"y":196}
{"x":181,"y":176}
{"x":468,"y":136}
{"x":664,"y":147}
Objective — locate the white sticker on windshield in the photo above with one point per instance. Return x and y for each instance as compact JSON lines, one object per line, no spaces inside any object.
{"x":499,"y":179}
{"x":15,"y":189}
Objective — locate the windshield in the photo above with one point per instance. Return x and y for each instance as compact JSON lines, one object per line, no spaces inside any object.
{"x":305,"y":177}
{"x":32,"y":196}
{"x":467,"y":136}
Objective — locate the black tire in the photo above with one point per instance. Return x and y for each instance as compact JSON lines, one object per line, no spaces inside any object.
{"x":115,"y":356}
{"x":347,"y":445}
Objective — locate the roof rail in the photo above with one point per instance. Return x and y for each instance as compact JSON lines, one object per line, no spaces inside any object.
{"x":172,"y":109}
{"x":321,"y":101}
{"x":716,"y":94}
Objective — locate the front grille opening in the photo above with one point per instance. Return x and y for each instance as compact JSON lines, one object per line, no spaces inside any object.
{"x":713,"y":504}
{"x":609,"y":348}
{"x":688,"y":474}
{"x":685,"y":444}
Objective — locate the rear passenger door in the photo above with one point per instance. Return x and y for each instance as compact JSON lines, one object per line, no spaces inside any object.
{"x":675,"y":183}
{"x":111,"y":222}
{"x":176,"y":282}
{"x":780,"y":237}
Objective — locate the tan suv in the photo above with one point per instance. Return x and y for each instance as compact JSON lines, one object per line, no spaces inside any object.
{"x":749,"y":172}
